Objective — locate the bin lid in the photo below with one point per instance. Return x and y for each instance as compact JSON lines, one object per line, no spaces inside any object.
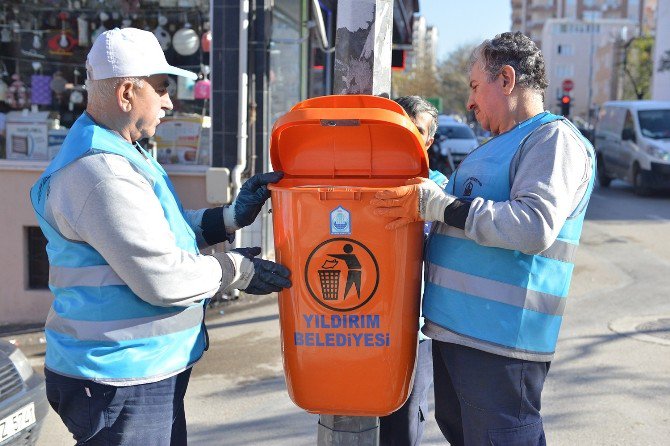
{"x":348,"y":136}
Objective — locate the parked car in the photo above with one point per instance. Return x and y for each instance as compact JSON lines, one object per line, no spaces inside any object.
{"x":23,"y":402}
{"x":584,"y":127}
{"x":632,"y":142}
{"x":455,"y":139}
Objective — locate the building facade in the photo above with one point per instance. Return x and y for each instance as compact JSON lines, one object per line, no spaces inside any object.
{"x":424,"y":45}
{"x":567,"y":44}
{"x":262,"y":57}
{"x":660,"y":88}
{"x":272,"y":74}
{"x":530,"y":16}
{"x":583,"y":42}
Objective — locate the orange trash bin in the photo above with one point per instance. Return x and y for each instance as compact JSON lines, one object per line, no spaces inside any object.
{"x":349,"y":322}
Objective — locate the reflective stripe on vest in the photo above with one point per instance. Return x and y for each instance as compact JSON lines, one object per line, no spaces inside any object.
{"x":498,"y":296}
{"x":559,"y":250}
{"x":98,"y":328}
{"x":496,"y":291}
{"x":98,"y":275}
{"x":129,"y":329}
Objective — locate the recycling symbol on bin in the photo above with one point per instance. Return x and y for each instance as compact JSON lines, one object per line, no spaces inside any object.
{"x":342,"y":274}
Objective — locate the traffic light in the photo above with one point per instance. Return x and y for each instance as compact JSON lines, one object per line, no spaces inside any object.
{"x":398,"y":60}
{"x":565,"y":105}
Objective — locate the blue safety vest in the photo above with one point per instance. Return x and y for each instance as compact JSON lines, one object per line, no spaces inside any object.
{"x":499,"y":298}
{"x":441,"y":180}
{"x":438,"y":178}
{"x":97,"y":327}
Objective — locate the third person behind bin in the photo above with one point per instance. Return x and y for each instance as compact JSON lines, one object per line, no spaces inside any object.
{"x":501,"y":252}
{"x":405,"y":426}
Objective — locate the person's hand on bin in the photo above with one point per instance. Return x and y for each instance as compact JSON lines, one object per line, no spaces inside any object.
{"x":420,"y":199}
{"x":249,"y":202}
{"x":257,"y":276}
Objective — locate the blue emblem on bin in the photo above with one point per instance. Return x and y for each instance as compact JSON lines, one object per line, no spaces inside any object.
{"x":340,"y":221}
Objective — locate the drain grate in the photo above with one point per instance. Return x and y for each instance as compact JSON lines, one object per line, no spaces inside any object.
{"x":659,"y":328}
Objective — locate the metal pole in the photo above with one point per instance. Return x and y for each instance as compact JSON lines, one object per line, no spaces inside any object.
{"x":362,"y":66}
{"x":342,"y":430}
{"x":591,"y":63}
{"x":363,"y":47}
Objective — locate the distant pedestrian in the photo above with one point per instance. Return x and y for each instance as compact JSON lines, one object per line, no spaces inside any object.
{"x":501,"y":252}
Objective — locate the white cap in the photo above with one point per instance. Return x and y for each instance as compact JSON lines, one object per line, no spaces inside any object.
{"x":129,"y":52}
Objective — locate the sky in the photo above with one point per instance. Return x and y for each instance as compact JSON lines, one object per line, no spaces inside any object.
{"x":461,"y":22}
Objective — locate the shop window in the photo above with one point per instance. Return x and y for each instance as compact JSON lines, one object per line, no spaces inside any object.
{"x":43,"y":49}
{"x":38,"y":262}
{"x":285,"y":73}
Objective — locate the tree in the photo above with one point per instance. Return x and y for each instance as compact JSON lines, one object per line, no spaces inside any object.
{"x":418,"y":80}
{"x":454,"y":79}
{"x":449,"y":80}
{"x":638,"y":65}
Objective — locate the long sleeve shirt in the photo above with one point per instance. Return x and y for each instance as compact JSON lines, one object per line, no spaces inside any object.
{"x":549,"y":176}
{"x":106,"y":202}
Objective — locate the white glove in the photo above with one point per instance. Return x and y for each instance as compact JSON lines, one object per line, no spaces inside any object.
{"x":244,"y":271}
{"x":420,"y":199}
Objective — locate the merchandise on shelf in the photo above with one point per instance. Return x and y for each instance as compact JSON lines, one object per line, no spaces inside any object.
{"x":43,"y":49}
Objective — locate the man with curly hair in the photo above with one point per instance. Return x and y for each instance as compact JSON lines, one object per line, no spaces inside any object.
{"x":500,"y":255}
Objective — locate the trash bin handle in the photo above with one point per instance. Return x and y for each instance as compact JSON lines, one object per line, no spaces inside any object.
{"x":339,"y":194}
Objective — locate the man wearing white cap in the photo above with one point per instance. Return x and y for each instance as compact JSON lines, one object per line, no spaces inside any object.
{"x":130,"y":284}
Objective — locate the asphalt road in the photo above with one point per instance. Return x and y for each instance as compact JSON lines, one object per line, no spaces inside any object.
{"x":609,"y":383}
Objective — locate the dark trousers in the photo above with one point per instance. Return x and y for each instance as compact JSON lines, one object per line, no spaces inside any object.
{"x":405,"y":426}
{"x":486,"y":399}
{"x":97,"y":414}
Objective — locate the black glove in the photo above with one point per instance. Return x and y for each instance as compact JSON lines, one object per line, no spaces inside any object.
{"x":253,"y":275}
{"x":249,"y":202}
{"x":249,"y":253}
{"x":268,"y":277}
{"x":456,"y":213}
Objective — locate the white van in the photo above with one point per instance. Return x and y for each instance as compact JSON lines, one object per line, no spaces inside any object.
{"x":632,"y":142}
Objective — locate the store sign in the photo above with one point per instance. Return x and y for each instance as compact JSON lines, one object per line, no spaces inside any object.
{"x":178,"y":140}
{"x":342,"y":330}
